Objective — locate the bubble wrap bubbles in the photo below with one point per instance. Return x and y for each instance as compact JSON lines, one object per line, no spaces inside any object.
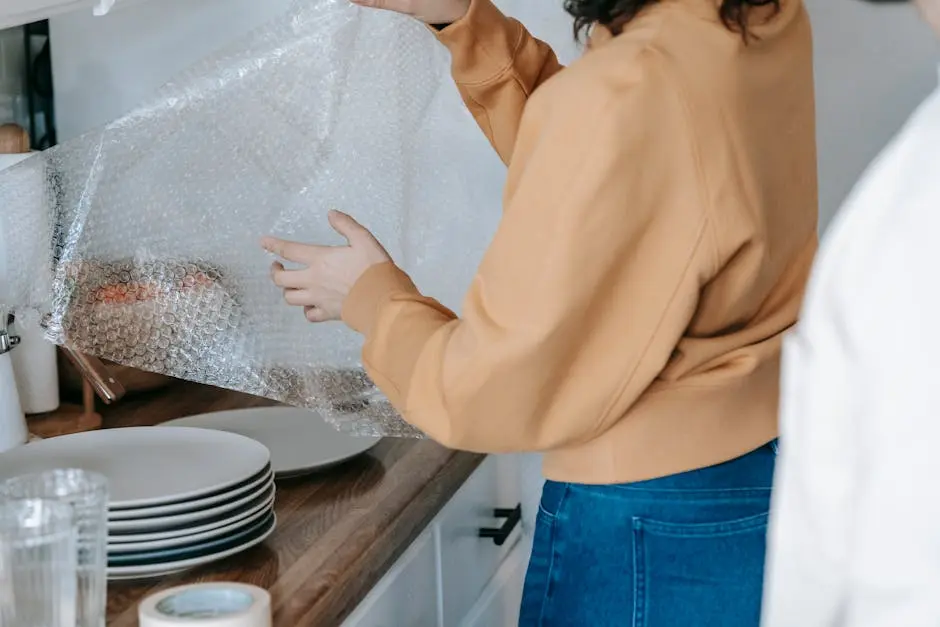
{"x":146,"y":249}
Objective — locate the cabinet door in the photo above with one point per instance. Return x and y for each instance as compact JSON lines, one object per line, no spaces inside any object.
{"x":468,"y":561}
{"x":498,"y":606}
{"x":407,"y":595}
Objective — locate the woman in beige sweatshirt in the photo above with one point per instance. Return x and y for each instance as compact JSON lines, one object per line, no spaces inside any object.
{"x":659,"y":223}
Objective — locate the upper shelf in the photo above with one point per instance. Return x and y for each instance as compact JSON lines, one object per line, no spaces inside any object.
{"x":18,"y":12}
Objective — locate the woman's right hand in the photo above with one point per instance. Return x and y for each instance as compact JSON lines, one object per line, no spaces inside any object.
{"x":436,"y":12}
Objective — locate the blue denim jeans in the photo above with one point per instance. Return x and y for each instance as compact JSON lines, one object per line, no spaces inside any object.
{"x":685,"y":550}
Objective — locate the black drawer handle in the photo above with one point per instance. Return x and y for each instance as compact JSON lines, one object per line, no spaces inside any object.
{"x":499,"y":536}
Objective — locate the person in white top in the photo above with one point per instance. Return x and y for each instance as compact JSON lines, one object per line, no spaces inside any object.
{"x":854,"y":536}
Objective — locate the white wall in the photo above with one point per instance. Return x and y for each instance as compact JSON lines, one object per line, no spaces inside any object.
{"x":874,"y":64}
{"x":104,"y":67}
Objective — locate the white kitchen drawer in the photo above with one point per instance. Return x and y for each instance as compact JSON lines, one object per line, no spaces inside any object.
{"x":498,"y":606}
{"x":468,"y":562}
{"x":407,"y":595}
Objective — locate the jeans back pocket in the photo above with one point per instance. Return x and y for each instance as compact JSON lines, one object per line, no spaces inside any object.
{"x":699,"y":575}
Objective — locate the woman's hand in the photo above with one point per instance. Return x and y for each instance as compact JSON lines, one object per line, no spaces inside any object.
{"x":329,"y":272}
{"x":435,"y":12}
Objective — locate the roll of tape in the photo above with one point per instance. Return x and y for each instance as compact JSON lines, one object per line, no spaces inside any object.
{"x":207,"y":605}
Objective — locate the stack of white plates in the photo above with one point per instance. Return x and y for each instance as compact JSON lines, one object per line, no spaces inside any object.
{"x":179,"y":497}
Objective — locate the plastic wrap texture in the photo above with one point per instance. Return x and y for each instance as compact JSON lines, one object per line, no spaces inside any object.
{"x":141,"y":241}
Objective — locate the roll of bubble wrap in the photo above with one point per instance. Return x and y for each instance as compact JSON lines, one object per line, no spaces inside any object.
{"x":150,"y":254}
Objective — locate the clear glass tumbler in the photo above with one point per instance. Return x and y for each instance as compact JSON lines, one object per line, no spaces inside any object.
{"x":37,"y":563}
{"x":87,"y":493}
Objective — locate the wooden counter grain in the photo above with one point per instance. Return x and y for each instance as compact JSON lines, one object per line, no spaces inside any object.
{"x":337,"y":533}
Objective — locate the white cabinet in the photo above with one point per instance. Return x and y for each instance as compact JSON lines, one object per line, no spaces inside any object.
{"x":498,"y":606}
{"x":407,"y":595}
{"x":451,"y":576}
{"x":469,"y":561}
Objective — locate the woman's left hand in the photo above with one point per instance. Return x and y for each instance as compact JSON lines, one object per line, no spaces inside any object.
{"x":329,"y":272}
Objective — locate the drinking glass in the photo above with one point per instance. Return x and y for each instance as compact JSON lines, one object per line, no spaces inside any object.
{"x":87,"y":493}
{"x":37,"y":563}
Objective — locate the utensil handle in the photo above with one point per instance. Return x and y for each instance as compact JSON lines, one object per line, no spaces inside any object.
{"x":108,"y":388}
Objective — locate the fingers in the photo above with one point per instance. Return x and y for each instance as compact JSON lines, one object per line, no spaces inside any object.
{"x":398,"y":6}
{"x":299,"y":298}
{"x":342,"y":223}
{"x":286,"y":279}
{"x":291,"y":251}
{"x":305,"y":297}
{"x":346,"y":225}
{"x":315,"y":314}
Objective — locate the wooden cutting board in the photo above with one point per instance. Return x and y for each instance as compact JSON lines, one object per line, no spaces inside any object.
{"x":14,"y":140}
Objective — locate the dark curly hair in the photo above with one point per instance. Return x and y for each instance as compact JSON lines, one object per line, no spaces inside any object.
{"x":615,"y":14}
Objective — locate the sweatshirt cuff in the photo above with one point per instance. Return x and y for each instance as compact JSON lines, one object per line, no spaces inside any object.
{"x":375,"y":287}
{"x":482,"y":43}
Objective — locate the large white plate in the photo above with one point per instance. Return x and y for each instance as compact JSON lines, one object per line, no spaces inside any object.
{"x":117,"y":573}
{"x":147,"y":467}
{"x":163,"y":522}
{"x":251,"y":485}
{"x":243,"y":522}
{"x":300,"y":441}
{"x":184,"y":531}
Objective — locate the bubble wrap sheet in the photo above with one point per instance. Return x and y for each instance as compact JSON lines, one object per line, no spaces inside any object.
{"x":142,"y":244}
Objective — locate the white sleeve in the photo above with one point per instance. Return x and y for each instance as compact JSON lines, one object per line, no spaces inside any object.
{"x":855,"y":525}
{"x":815,"y":480}
{"x":854,"y":537}
{"x":895,"y":542}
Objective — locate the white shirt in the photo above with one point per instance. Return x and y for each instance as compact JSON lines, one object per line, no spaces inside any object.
{"x":855,"y":525}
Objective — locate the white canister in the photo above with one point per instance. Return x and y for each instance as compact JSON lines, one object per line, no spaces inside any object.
{"x":35,"y":365}
{"x":34,"y":360}
{"x":13,"y":432}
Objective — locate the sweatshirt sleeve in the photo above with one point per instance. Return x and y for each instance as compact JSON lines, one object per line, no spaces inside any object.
{"x":592,"y":278}
{"x":497,"y":65}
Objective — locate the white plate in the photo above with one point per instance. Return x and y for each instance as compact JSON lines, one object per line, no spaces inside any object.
{"x":184,"y":531}
{"x":118,"y":573}
{"x":300,"y":440}
{"x":251,"y":485}
{"x":193,"y":538}
{"x":163,"y":522}
{"x":199,"y":549}
{"x":147,"y":467}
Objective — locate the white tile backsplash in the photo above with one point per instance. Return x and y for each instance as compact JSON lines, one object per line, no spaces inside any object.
{"x":12,"y":66}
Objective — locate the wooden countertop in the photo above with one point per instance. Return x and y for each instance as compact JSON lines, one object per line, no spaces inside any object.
{"x":338,"y":532}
